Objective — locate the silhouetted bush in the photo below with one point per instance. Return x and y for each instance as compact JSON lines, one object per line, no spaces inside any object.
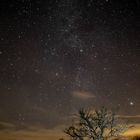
{"x":136,"y":138}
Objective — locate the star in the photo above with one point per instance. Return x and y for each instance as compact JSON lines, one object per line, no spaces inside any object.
{"x":131,"y":103}
{"x":56,"y":74}
{"x":81,"y":50}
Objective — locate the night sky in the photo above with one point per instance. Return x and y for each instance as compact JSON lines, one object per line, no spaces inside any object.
{"x":57,"y":56}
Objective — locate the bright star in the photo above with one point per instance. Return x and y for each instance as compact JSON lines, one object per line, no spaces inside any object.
{"x":131,"y":103}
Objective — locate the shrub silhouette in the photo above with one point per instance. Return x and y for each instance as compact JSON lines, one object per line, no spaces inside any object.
{"x":136,"y":138}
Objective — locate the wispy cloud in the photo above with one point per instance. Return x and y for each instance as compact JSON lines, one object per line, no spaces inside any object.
{"x":32,"y":133}
{"x":128,"y":116}
{"x":6,"y":125}
{"x":133,"y":131}
{"x":40,"y":133}
{"x":83,"y":95}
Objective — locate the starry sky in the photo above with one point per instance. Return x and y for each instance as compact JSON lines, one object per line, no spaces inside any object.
{"x":57,"y":56}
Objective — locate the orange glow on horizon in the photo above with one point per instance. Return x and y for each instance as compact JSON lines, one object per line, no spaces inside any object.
{"x":54,"y":134}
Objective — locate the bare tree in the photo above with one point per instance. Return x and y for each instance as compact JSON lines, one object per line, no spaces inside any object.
{"x":100,"y":124}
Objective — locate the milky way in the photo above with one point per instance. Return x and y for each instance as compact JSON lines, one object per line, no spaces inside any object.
{"x":58,"y":56}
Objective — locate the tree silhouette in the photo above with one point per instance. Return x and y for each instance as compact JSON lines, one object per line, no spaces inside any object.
{"x":99,"y":124}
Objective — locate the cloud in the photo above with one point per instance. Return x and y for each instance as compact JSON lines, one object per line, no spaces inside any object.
{"x":5,"y":125}
{"x":132,"y":119}
{"x":37,"y":133}
{"x":83,"y":95}
{"x":8,"y":126}
{"x":47,"y":134}
{"x":135,"y":130}
{"x":41,"y":133}
{"x":128,"y":116}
